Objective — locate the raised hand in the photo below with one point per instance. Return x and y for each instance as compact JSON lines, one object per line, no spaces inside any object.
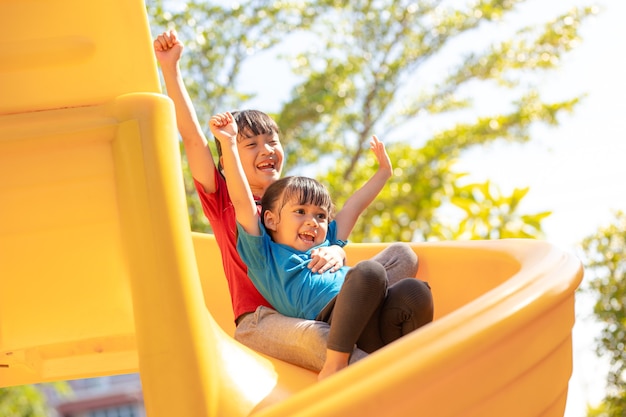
{"x":384,"y":163}
{"x":167,"y":48}
{"x":224,"y":127}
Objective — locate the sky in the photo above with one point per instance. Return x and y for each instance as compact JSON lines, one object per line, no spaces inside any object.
{"x":577,"y":170}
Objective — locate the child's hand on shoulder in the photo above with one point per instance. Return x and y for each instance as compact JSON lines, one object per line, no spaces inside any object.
{"x":224,"y":127}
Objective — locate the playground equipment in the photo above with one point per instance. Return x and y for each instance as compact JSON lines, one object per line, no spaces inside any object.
{"x":100,"y":275}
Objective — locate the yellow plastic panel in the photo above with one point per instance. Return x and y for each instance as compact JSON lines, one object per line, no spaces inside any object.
{"x":58,"y":194}
{"x":68,"y":53}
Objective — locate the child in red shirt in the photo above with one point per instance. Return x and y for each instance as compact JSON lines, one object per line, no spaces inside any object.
{"x":259,"y":326}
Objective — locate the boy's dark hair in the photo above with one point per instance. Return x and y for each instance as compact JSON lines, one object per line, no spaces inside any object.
{"x":303,"y":190}
{"x":249,"y":123}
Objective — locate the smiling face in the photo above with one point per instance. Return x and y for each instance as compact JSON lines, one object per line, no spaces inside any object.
{"x":259,"y":148}
{"x":262,"y":160}
{"x":296,"y":212}
{"x":300,"y":226}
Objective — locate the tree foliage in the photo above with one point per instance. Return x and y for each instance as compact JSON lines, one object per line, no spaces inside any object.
{"x":29,"y":400}
{"x":357,"y":71}
{"x":605,"y":265}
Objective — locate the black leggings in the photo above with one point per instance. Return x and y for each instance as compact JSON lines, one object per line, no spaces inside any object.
{"x":370,"y":313}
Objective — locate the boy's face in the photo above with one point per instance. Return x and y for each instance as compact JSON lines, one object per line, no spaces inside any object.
{"x":299,"y":226}
{"x":262,"y":160}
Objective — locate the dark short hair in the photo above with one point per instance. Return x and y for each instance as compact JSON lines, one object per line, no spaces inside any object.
{"x":304,"y":190}
{"x":250,"y":123}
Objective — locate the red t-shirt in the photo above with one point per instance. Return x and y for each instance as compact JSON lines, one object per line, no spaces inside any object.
{"x":219,"y":210}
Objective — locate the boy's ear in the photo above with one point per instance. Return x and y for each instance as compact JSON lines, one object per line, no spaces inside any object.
{"x":221,"y":162}
{"x":269,"y":220}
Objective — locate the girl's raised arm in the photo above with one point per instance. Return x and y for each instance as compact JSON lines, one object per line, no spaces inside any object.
{"x":168,"y":50}
{"x":224,"y":127}
{"x":354,"y":206}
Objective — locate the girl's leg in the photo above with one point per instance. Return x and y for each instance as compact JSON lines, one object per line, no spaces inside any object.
{"x":399,"y":261}
{"x":362,"y":293}
{"x":408,"y":306}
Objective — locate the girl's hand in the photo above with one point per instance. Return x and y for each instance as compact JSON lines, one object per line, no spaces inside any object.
{"x":384,"y":163}
{"x":167,"y":48}
{"x":224,"y":127}
{"x":326,"y":258}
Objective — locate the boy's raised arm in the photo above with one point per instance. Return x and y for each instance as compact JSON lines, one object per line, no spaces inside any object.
{"x":168,"y":50}
{"x":354,"y":206}
{"x":224,"y":127}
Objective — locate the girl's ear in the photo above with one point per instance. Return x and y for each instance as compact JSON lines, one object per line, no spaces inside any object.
{"x":269,"y":220}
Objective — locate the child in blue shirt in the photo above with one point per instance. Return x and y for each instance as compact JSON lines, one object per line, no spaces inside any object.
{"x":297,"y":217}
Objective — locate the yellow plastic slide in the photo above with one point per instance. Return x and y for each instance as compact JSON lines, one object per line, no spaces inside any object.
{"x":100,"y":274}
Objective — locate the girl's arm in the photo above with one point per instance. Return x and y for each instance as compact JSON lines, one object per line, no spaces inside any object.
{"x":168,"y":50}
{"x":224,"y":128}
{"x":350,"y":212}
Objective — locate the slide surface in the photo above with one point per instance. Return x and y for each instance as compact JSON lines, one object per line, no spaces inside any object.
{"x":100,"y":275}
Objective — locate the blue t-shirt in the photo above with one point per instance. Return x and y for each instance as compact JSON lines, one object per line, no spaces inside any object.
{"x":281,"y":275}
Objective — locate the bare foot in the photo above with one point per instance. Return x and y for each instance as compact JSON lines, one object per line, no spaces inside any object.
{"x":335,"y":362}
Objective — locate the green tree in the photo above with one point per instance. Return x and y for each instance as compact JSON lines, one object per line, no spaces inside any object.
{"x":357,"y":72}
{"x":491,"y":215}
{"x":29,"y":400}
{"x":605,"y":267}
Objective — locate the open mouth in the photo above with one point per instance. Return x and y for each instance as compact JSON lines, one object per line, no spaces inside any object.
{"x":307,"y":236}
{"x":267,"y":166}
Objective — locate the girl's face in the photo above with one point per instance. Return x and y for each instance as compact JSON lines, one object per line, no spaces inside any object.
{"x":300,"y":226}
{"x":262,"y":160}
